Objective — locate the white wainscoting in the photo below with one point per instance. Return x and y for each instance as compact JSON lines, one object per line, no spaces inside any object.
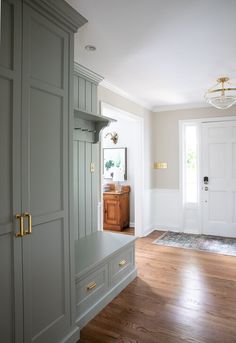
{"x":166,"y":209}
{"x":146,"y":219}
{"x":162,"y":210}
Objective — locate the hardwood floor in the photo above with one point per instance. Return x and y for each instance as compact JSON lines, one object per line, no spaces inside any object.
{"x":179,"y":296}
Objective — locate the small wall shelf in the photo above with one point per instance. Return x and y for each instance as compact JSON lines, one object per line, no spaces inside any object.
{"x":90,"y":123}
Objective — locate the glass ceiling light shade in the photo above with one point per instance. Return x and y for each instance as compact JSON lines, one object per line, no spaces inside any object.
{"x":222,"y":95}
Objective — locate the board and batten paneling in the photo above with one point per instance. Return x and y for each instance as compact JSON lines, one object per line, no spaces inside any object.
{"x":85,"y":89}
{"x":86,"y":186}
{"x":85,"y":95}
{"x":86,"y":151}
{"x":10,"y":192}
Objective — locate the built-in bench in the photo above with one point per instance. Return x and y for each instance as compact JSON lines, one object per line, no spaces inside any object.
{"x":105,"y":265}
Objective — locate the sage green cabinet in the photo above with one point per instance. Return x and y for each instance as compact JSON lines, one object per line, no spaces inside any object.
{"x":36,"y":78}
{"x":10,"y":169}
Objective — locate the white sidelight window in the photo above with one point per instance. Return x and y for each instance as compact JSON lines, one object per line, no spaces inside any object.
{"x":190,"y":164}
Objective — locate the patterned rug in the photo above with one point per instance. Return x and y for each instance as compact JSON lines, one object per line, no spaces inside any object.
{"x":213,"y":244}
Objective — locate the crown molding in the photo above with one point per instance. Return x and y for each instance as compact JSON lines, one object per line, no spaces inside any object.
{"x":181,"y":107}
{"x":107,"y":84}
{"x":60,"y":10}
{"x":87,"y":73}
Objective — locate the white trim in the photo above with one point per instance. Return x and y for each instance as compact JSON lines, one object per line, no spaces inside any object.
{"x":132,"y":224}
{"x":208,"y":120}
{"x":108,"y":85}
{"x":139,"y":167}
{"x":164,"y":227}
{"x":180,"y":107}
{"x":190,"y":212}
{"x":181,"y":215}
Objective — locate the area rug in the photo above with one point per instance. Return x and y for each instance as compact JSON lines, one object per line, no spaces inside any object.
{"x":213,"y":244}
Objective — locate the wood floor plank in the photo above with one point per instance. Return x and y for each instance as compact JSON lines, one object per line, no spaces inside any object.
{"x":179,"y":296}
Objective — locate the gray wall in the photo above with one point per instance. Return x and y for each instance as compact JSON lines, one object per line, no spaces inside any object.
{"x":165,"y":133}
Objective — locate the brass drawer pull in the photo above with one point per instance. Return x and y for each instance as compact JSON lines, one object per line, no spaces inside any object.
{"x":91,"y":285}
{"x":122,"y":263}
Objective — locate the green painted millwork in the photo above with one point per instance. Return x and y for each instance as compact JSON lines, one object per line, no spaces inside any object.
{"x":85,"y":89}
{"x":10,"y":188}
{"x":87,"y":124}
{"x":100,"y":275}
{"x":36,"y":270}
{"x":101,"y":268}
{"x":86,"y":186}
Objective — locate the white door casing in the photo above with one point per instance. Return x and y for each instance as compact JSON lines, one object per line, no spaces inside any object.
{"x":219,"y":165}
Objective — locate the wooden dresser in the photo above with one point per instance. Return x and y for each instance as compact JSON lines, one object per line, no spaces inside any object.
{"x":116,"y":208}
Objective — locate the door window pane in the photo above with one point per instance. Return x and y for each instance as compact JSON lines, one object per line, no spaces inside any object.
{"x":191,"y":164}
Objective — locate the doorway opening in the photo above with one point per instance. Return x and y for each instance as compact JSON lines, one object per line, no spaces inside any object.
{"x":122,"y":167}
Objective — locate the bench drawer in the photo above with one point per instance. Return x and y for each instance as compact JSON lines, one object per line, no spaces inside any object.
{"x":90,"y":289}
{"x":121,"y":264}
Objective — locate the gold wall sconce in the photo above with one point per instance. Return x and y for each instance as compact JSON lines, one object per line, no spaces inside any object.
{"x":114,"y":136}
{"x":160,"y":165}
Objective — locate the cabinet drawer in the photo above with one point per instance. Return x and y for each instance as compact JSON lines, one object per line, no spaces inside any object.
{"x":121,"y":264}
{"x":90,"y":289}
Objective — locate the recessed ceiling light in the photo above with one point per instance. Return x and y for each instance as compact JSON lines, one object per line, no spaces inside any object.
{"x":90,"y":47}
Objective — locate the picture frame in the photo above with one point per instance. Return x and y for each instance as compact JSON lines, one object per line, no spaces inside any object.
{"x":114,"y":158}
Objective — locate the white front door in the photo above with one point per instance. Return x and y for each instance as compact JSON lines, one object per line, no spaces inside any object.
{"x":219,"y":171}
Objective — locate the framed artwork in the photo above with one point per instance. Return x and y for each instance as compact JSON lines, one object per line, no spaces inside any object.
{"x":114,"y":159}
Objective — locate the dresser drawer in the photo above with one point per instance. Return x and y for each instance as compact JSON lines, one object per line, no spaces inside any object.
{"x":90,"y":289}
{"x":121,"y":264}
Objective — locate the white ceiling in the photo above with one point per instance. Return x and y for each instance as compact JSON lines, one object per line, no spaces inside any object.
{"x":164,"y":53}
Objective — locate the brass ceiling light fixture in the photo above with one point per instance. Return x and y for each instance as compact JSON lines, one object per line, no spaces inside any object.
{"x":222,"y":95}
{"x":114,"y":136}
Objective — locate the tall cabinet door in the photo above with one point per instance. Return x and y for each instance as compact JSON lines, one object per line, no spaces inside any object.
{"x":10,"y":190}
{"x":45,"y":178}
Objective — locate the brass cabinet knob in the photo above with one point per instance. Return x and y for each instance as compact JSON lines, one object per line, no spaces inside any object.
{"x":122,"y":263}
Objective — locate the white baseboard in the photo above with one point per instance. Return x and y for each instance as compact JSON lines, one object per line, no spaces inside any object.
{"x":148,"y":231}
{"x":164,"y":227}
{"x":132,"y":224}
{"x":160,"y":227}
